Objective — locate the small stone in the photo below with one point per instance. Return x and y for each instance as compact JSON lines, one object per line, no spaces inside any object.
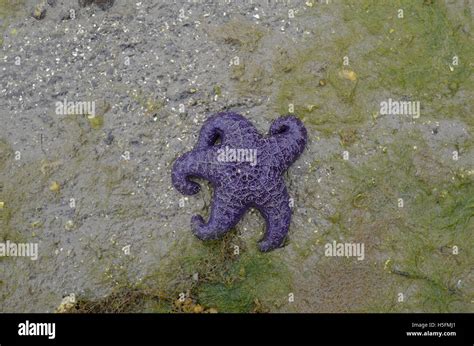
{"x":348,"y":74}
{"x":35,"y":224}
{"x":2,"y":205}
{"x":217,"y":90}
{"x":102,"y":4}
{"x":69,"y":225}
{"x":95,"y":121}
{"x":67,"y":304}
{"x":198,"y":309}
{"x":55,"y":187}
{"x":84,"y":3}
{"x":212,"y":311}
{"x":40,"y":11}
{"x":109,"y":139}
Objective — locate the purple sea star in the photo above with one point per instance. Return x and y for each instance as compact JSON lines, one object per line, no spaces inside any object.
{"x":245,"y":170}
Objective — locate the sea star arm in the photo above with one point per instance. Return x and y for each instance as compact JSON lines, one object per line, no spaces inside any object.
{"x":225,"y":214}
{"x":288,"y":140}
{"x":196,"y":163}
{"x":210,"y":132}
{"x":230,"y":128}
{"x":277,"y":215}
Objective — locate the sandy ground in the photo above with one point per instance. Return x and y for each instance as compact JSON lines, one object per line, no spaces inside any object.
{"x":156,"y":70}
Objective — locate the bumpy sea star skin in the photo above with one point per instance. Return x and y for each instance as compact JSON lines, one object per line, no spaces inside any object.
{"x":247,"y":183}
